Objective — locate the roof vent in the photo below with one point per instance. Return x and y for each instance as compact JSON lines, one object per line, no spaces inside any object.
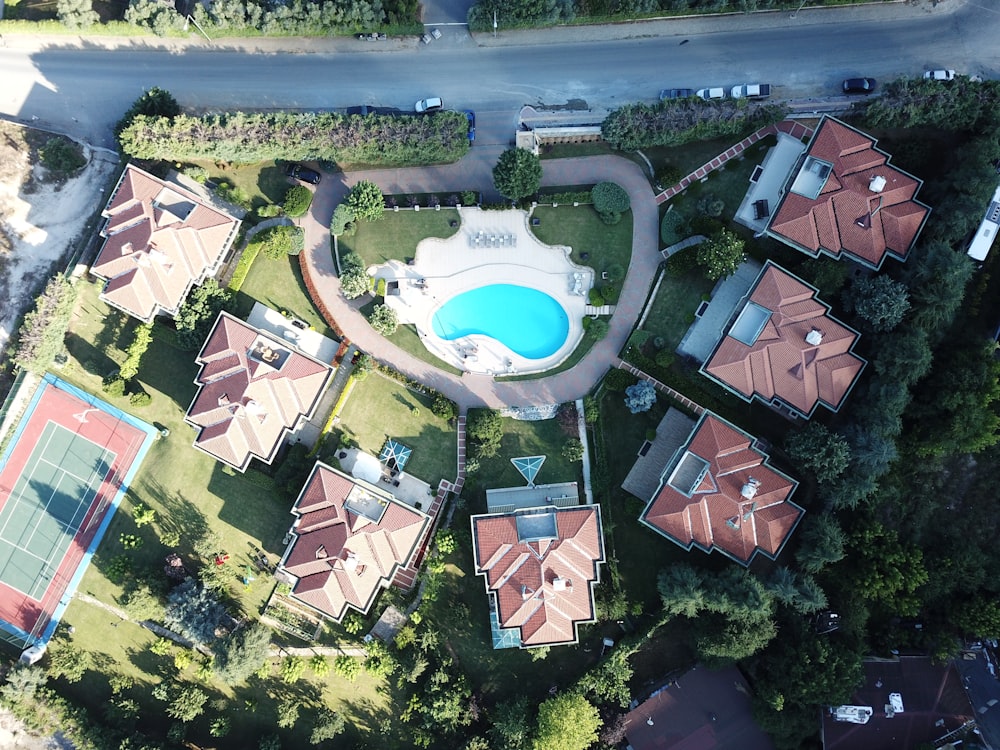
{"x":321,"y":552}
{"x":561,"y":584}
{"x":814,"y":337}
{"x":351,"y":561}
{"x":526,"y":593}
{"x":877,"y":184}
{"x":223,"y":399}
{"x":749,"y":490}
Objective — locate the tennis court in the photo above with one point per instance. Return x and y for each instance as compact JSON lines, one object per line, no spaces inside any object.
{"x":67,"y":466}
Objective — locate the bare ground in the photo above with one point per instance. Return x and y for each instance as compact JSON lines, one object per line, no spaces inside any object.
{"x":41,"y":217}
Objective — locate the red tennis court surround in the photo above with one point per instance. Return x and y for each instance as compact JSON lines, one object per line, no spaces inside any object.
{"x":97,"y":429}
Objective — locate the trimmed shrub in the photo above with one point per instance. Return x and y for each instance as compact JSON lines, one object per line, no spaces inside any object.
{"x":595,"y":297}
{"x":62,"y":155}
{"x":268,"y":210}
{"x":610,"y":198}
{"x":380,"y":288}
{"x":140,"y":399}
{"x":114,"y":387}
{"x":297,"y":201}
{"x":673,"y":228}
{"x":618,"y":380}
{"x":343,"y":216}
{"x":384,"y":320}
{"x":196,"y":173}
{"x":247,"y":258}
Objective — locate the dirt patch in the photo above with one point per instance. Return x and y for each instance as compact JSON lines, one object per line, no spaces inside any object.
{"x":41,"y":216}
{"x":15,"y":736}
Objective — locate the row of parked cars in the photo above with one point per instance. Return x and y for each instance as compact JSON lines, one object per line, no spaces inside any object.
{"x":763,"y":90}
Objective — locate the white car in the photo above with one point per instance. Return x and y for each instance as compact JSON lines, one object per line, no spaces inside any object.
{"x":431,"y":104}
{"x":719,"y":93}
{"x":940,"y":75}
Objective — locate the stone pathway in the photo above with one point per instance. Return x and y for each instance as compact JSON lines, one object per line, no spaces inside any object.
{"x":683,"y":245}
{"x":792,"y":127}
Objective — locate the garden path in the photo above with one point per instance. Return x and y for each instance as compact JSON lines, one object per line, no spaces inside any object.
{"x":482,"y":390}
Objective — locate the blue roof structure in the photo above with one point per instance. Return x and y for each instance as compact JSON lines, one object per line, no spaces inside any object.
{"x":394,"y":455}
{"x":528,"y":466}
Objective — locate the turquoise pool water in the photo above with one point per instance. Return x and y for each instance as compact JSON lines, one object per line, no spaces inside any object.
{"x":526,"y":321}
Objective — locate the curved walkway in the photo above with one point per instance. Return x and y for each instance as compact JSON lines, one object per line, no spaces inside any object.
{"x":481,"y":390}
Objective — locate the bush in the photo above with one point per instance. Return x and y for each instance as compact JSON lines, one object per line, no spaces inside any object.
{"x":41,"y":335}
{"x":595,"y":297}
{"x":77,"y":14}
{"x":279,"y":242}
{"x":380,"y":288}
{"x":610,"y":198}
{"x":198,"y":174}
{"x":572,"y":450}
{"x":114,"y":387}
{"x":247,"y":257}
{"x":469,"y":198}
{"x":62,"y":155}
{"x":140,"y":399}
{"x":682,"y":262}
{"x":673,"y":228}
{"x":384,"y":320}
{"x":668,"y":176}
{"x":444,"y":408}
{"x":618,"y":380}
{"x":297,"y":201}
{"x":343,"y":216}
{"x":269,"y":211}
{"x":709,"y":205}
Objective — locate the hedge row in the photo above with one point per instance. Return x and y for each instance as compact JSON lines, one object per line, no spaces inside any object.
{"x":676,"y":122}
{"x":252,"y":137}
{"x":243,"y":266}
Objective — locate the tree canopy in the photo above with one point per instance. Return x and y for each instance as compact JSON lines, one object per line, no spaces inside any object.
{"x":721,"y":254}
{"x":366,"y":201}
{"x":517,"y":174}
{"x":567,"y":721}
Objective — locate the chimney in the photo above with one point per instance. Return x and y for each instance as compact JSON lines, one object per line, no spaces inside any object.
{"x":877,"y":184}
{"x":749,"y":491}
{"x":814,"y":337}
{"x":561,"y":584}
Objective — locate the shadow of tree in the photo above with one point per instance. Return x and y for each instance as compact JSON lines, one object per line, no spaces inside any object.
{"x":92,"y":359}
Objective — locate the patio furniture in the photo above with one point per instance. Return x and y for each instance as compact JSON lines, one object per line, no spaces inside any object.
{"x":760,"y":209}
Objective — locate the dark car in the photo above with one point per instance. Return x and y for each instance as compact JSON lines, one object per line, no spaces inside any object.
{"x":471,"y":117}
{"x":303,"y":173}
{"x":676,"y":94}
{"x":859,"y":85}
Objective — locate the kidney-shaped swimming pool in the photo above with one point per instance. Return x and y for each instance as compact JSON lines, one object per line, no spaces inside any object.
{"x":526,"y":321}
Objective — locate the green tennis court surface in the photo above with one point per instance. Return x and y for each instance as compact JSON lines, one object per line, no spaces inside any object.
{"x":47,"y":506}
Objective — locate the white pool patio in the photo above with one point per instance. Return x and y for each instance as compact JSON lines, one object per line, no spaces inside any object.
{"x":491,"y":247}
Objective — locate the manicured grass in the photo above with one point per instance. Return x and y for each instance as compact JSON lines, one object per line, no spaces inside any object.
{"x":263,"y":183}
{"x":672,"y":310}
{"x":690,"y":156}
{"x":194,"y":497}
{"x":396,"y":234}
{"x":279,"y":284}
{"x":522,"y":438}
{"x":569,"y":150}
{"x":581,"y":351}
{"x":406,"y":338}
{"x":379,"y":408}
{"x":580,"y":227}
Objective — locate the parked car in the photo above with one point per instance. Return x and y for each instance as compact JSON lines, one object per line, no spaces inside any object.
{"x":303,"y":174}
{"x":676,"y":94}
{"x":707,"y":94}
{"x":940,"y":75}
{"x":859,"y":85}
{"x":431,"y":104}
{"x":471,"y":117}
{"x":751,"y":91}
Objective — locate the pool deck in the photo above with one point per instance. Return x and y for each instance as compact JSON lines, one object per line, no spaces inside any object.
{"x":492,"y":247}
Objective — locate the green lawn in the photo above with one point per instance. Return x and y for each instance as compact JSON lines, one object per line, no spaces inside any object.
{"x":596,"y":244}
{"x":379,"y":408}
{"x":396,"y":234}
{"x":279,"y":284}
{"x":672,"y":310}
{"x":690,"y":156}
{"x":193,"y":496}
{"x":522,"y":438}
{"x":263,"y":183}
{"x":406,"y":338}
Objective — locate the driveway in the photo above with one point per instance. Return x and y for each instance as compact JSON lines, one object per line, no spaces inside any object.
{"x":481,"y":390}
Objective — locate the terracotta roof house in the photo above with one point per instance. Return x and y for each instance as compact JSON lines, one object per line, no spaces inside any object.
{"x":701,"y":710}
{"x":253,"y":390}
{"x":349,"y":540}
{"x":540,"y":566}
{"x":719,"y":493}
{"x":783,"y":347}
{"x":159,"y":241}
{"x":908,"y":702}
{"x":843,"y":198}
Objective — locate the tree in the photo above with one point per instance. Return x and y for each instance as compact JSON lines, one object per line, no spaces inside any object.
{"x":510,"y":728}
{"x":343,"y":217}
{"x":978,"y":617}
{"x":885,"y":570}
{"x":196,"y":316}
{"x":154,"y":102}
{"x":40,"y":337}
{"x":517,"y":174}
{"x":824,"y":453}
{"x":681,"y":590}
{"x":23,"y":681}
{"x":281,"y":241}
{"x":133,"y":355}
{"x":241,"y":653}
{"x":297,"y":201}
{"x":69,"y":662}
{"x":485,"y":429}
{"x":142,"y":603}
{"x":194,"y":611}
{"x":566,"y":722}
{"x":721,"y":254}
{"x":879,"y":301}
{"x":354,"y":282}
{"x":608,"y":682}
{"x":821,"y":543}
{"x":384,"y":320}
{"x":640,"y":397}
{"x":610,"y":201}
{"x":904,"y":356}
{"x":329,"y":724}
{"x":187,"y":703}
{"x":366,"y":201}
{"x":288,"y":712}
{"x":937,"y":277}
{"x":77,"y":14}
{"x":62,"y":155}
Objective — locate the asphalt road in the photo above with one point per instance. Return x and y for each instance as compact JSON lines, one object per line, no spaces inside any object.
{"x":82,"y":87}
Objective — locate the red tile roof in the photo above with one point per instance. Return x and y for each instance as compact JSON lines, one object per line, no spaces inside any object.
{"x":160,"y":240}
{"x":349,"y":540}
{"x":245,"y":406}
{"x":705,"y":497}
{"x":784,"y":362}
{"x":847,"y":217}
{"x":542,"y":583}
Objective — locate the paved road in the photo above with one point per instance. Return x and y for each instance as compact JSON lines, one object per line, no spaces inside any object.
{"x":81,"y":86}
{"x":481,"y":390}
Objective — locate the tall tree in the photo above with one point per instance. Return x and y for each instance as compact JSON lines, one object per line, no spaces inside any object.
{"x":721,"y":254}
{"x":821,"y":542}
{"x":517,"y":174}
{"x":566,"y":722}
{"x":879,"y":301}
{"x":366,"y":201}
{"x":242,"y":653}
{"x":824,"y":453}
